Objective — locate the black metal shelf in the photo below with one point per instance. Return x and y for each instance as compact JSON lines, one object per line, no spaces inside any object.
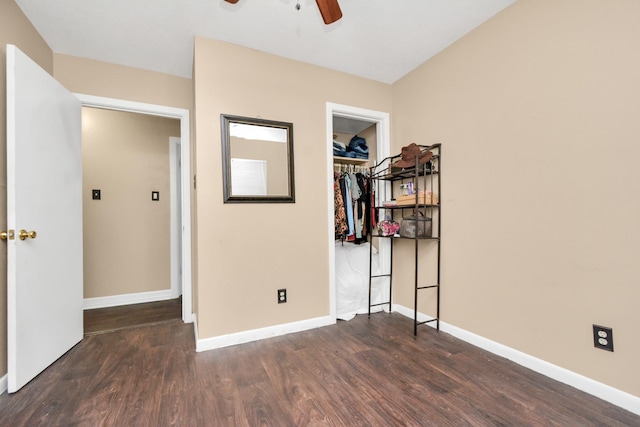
{"x":389,"y":173}
{"x":404,"y":238}
{"x":403,"y":174}
{"x":423,"y":176}
{"x":408,"y":206}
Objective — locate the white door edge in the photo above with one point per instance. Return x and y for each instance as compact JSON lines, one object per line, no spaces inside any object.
{"x":383,"y":144}
{"x":185,"y":154}
{"x":175,"y":219}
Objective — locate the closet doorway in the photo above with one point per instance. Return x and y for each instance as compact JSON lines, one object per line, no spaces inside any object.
{"x":346,"y":120}
{"x":179,"y":193}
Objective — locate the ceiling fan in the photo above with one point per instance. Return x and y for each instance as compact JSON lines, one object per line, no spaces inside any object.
{"x":329,"y":9}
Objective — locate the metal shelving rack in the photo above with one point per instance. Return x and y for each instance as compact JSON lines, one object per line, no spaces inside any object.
{"x":426,"y":177}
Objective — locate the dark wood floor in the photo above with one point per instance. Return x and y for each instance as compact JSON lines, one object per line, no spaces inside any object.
{"x":125,"y":316}
{"x":362,"y":372}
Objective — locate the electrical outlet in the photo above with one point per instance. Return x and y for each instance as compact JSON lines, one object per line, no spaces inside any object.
{"x":603,"y":337}
{"x":282,"y":296}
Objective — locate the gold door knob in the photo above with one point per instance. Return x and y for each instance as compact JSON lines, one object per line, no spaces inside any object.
{"x":4,"y":235}
{"x":24,"y":234}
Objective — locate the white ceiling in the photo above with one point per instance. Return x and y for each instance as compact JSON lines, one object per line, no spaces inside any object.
{"x":377,"y":39}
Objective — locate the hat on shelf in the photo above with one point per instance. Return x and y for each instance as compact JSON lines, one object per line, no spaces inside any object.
{"x":409,"y":154}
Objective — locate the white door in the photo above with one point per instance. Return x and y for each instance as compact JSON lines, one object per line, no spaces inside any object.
{"x":44,"y":195}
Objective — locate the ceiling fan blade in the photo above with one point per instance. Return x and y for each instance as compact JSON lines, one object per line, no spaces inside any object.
{"x":231,"y":1}
{"x":330,"y":10}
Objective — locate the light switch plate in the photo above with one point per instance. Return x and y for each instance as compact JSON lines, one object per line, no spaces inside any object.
{"x":95,"y":194}
{"x":155,"y":196}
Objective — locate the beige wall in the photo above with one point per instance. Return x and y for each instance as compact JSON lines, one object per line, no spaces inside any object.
{"x":538,"y":113}
{"x":248,"y":251}
{"x":90,"y":77}
{"x":126,"y":234}
{"x":17,"y":30}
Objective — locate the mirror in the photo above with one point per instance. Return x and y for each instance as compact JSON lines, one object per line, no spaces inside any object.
{"x":257,"y":160}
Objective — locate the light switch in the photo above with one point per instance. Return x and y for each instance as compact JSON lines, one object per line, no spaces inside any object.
{"x":95,"y":194}
{"x":155,"y":196}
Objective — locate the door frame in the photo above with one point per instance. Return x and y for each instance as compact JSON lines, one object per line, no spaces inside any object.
{"x":181,"y":114}
{"x":175,"y":216}
{"x":382,"y":122}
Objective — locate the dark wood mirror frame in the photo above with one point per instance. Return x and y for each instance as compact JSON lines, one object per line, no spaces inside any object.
{"x":258,"y":154}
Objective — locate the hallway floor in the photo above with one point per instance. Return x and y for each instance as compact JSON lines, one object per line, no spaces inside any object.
{"x":102,"y":320}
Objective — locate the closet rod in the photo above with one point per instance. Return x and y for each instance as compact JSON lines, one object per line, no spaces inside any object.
{"x":350,"y":168}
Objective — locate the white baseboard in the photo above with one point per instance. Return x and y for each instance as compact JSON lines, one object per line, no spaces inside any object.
{"x":125,"y":299}
{"x":262,"y":333}
{"x":3,"y":384}
{"x":187,"y":318}
{"x":195,"y":326}
{"x":612,"y":395}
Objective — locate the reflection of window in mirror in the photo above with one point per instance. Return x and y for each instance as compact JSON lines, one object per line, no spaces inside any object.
{"x":248,"y":177}
{"x":257,"y":160}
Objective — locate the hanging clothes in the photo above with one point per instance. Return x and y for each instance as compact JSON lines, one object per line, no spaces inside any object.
{"x":352,"y":205}
{"x":364,"y":203}
{"x":340,"y":214}
{"x":349,"y":205}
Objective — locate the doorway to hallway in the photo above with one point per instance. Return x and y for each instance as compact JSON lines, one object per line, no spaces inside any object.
{"x":127,"y":200}
{"x":153,"y":198}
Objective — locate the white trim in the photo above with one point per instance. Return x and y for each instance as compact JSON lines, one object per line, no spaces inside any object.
{"x":3,"y":383}
{"x":185,"y":154}
{"x":408,"y":312}
{"x":612,"y":395}
{"x":382,"y":122}
{"x":195,"y":327}
{"x":262,"y":333}
{"x":126,"y":299}
{"x":175,"y":212}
